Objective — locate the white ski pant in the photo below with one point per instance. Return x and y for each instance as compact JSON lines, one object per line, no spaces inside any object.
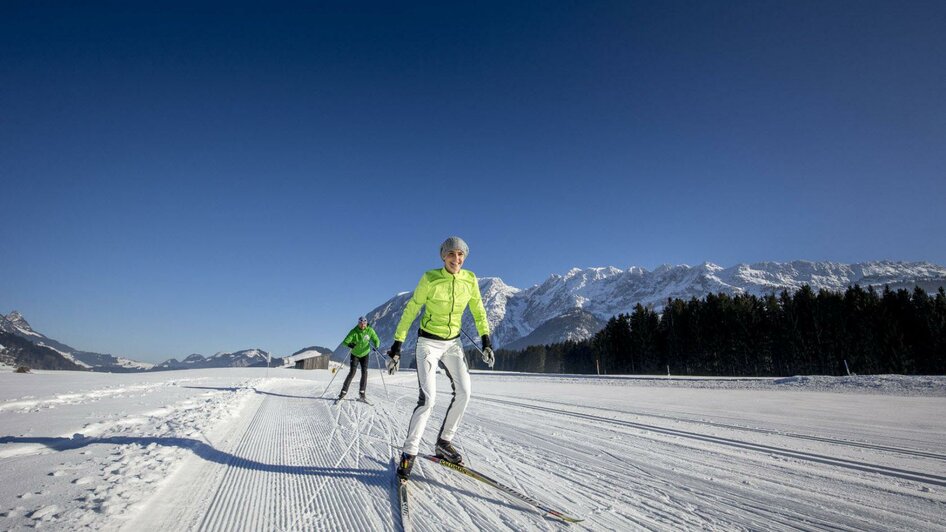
{"x":429,"y":353}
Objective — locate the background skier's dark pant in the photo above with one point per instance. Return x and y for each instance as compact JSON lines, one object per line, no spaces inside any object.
{"x":351,"y":373}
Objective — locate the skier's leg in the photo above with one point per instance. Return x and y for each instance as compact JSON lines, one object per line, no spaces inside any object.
{"x":364,"y":374}
{"x":428,"y":353}
{"x":351,"y":375}
{"x":454,"y":362}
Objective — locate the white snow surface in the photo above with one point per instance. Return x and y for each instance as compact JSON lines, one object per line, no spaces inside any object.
{"x":258,"y":449}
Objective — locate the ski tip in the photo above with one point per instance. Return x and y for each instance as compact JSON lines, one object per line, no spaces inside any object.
{"x":564,"y":518}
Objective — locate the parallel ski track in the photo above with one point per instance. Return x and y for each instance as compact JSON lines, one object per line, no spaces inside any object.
{"x":904,"y":474}
{"x":333,"y":469}
{"x":822,"y":439}
{"x":670,"y":494}
{"x":748,"y":498}
{"x":317,"y":473}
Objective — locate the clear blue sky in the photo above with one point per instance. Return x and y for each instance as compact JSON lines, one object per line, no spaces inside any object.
{"x":198,"y":178}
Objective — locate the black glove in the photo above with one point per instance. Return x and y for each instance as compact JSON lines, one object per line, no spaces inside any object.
{"x":351,"y":345}
{"x":395,"y":353}
{"x":395,"y":350}
{"x":489,"y":358}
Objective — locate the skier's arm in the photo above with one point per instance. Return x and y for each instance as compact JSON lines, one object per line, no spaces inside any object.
{"x":411,"y":309}
{"x":374,"y":337}
{"x":350,"y":339}
{"x":478,"y":310}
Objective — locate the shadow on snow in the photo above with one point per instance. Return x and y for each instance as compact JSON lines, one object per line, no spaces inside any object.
{"x":207,"y":452}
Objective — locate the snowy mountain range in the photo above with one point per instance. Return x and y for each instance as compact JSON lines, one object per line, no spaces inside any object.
{"x":575,"y":305}
{"x":44,"y":353}
{"x":240,"y":359}
{"x":15,"y":324}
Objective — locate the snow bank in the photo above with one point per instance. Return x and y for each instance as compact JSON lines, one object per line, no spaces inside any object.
{"x":903,"y":385}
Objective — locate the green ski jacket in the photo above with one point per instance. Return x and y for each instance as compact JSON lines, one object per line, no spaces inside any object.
{"x":362,"y":340}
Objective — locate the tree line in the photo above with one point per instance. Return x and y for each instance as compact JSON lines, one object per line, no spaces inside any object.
{"x":801,"y":333}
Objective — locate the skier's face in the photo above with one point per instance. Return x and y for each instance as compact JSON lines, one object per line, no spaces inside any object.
{"x":362,"y":324}
{"x":453,"y":260}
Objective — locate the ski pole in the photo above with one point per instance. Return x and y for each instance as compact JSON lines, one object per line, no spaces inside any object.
{"x":381,"y":370}
{"x":473,"y":342}
{"x":333,"y":375}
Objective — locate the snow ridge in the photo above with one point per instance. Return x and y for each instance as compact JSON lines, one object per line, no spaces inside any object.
{"x":606,"y":291}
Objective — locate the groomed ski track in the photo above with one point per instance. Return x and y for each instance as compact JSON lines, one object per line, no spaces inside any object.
{"x":621,"y":458}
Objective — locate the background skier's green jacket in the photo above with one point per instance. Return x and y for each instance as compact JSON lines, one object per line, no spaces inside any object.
{"x":362,"y":339}
{"x":444,"y":296}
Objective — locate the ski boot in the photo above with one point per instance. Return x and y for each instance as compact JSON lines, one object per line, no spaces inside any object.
{"x":405,"y":465}
{"x":448,"y":452}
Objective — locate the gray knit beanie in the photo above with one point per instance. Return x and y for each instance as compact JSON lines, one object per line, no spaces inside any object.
{"x":454,"y":243}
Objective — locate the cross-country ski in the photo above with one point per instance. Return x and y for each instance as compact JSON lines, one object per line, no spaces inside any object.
{"x":404,"y":505}
{"x":463,"y":470}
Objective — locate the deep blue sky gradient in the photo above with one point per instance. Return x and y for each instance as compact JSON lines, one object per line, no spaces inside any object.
{"x":182,"y":178}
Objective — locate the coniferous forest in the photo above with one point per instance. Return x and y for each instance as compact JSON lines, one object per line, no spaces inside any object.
{"x":800,"y":333}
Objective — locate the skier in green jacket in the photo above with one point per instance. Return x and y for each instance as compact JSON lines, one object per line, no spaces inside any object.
{"x":359,"y":340}
{"x":444,"y":293}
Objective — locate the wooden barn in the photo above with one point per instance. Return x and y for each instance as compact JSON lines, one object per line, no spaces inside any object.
{"x":310,"y":360}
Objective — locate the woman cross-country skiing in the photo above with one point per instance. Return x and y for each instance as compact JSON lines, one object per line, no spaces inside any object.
{"x":444,"y":293}
{"x":359,"y":340}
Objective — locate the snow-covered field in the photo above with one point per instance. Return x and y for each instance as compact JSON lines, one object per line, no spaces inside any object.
{"x":257,"y":449}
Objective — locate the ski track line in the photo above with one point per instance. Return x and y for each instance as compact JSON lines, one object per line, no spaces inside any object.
{"x":748,"y":503}
{"x":669,"y":514}
{"x":539,"y":480}
{"x":743,"y":506}
{"x":323,"y":454}
{"x":274,"y":476}
{"x":822,"y":439}
{"x":539,"y":473}
{"x":170,"y":507}
{"x":350,"y":502}
{"x":904,"y":474}
{"x":440,"y":499}
{"x":233,"y":466}
{"x":761,"y":513}
{"x":520,"y":516}
{"x":514,"y":475}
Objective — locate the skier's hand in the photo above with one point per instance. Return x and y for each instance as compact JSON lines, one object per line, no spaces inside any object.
{"x":395,"y":353}
{"x":489,"y":357}
{"x":351,"y":345}
{"x":486,"y":341}
{"x":395,"y":350}
{"x":394,"y":364}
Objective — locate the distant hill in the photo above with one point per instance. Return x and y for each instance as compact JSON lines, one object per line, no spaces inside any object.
{"x":14,"y":323}
{"x":240,"y":359}
{"x":52,"y":354}
{"x":16,"y":351}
